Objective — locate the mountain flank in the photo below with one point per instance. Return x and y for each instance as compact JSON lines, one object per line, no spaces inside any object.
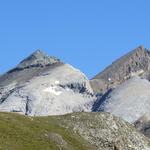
{"x":135,"y":62}
{"x":41,"y":85}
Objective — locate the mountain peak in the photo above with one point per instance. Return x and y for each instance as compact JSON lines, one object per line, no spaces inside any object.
{"x":134,"y":62}
{"x":37,"y":58}
{"x":38,"y":52}
{"x":140,"y":49}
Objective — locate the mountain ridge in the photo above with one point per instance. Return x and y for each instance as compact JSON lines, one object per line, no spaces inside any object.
{"x":122,"y":69}
{"x":41,"y":85}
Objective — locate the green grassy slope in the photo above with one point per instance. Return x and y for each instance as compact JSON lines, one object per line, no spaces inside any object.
{"x":19,"y":132}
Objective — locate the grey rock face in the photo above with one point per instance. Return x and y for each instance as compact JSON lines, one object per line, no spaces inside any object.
{"x":41,"y":85}
{"x":105,"y":131}
{"x":38,"y":58}
{"x":137,"y":61}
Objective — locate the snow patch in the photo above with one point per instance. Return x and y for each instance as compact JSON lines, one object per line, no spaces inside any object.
{"x":57,"y":82}
{"x":109,"y":79}
{"x":52,"y":90}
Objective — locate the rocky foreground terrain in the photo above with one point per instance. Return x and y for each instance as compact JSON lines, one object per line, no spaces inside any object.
{"x":77,"y":131}
{"x":112,"y":109}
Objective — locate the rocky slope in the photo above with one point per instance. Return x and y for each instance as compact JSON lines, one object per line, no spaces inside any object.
{"x":105,"y":131}
{"x":135,"y":62}
{"x":76,"y":131}
{"x":125,"y":92}
{"x":41,"y":85}
{"x":130,"y":100}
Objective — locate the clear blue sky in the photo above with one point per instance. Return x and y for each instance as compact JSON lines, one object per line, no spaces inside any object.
{"x":89,"y":34}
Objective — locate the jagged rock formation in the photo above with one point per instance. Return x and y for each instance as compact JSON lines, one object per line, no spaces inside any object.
{"x":135,"y":62}
{"x":43,"y":85}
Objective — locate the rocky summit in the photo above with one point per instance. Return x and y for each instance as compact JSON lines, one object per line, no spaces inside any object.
{"x":41,"y":85}
{"x":38,"y":58}
{"x":135,"y":62}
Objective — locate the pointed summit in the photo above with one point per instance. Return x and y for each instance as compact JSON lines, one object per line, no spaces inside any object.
{"x":139,"y":50}
{"x":134,"y":62}
{"x":38,"y":53}
{"x":38,"y":58}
